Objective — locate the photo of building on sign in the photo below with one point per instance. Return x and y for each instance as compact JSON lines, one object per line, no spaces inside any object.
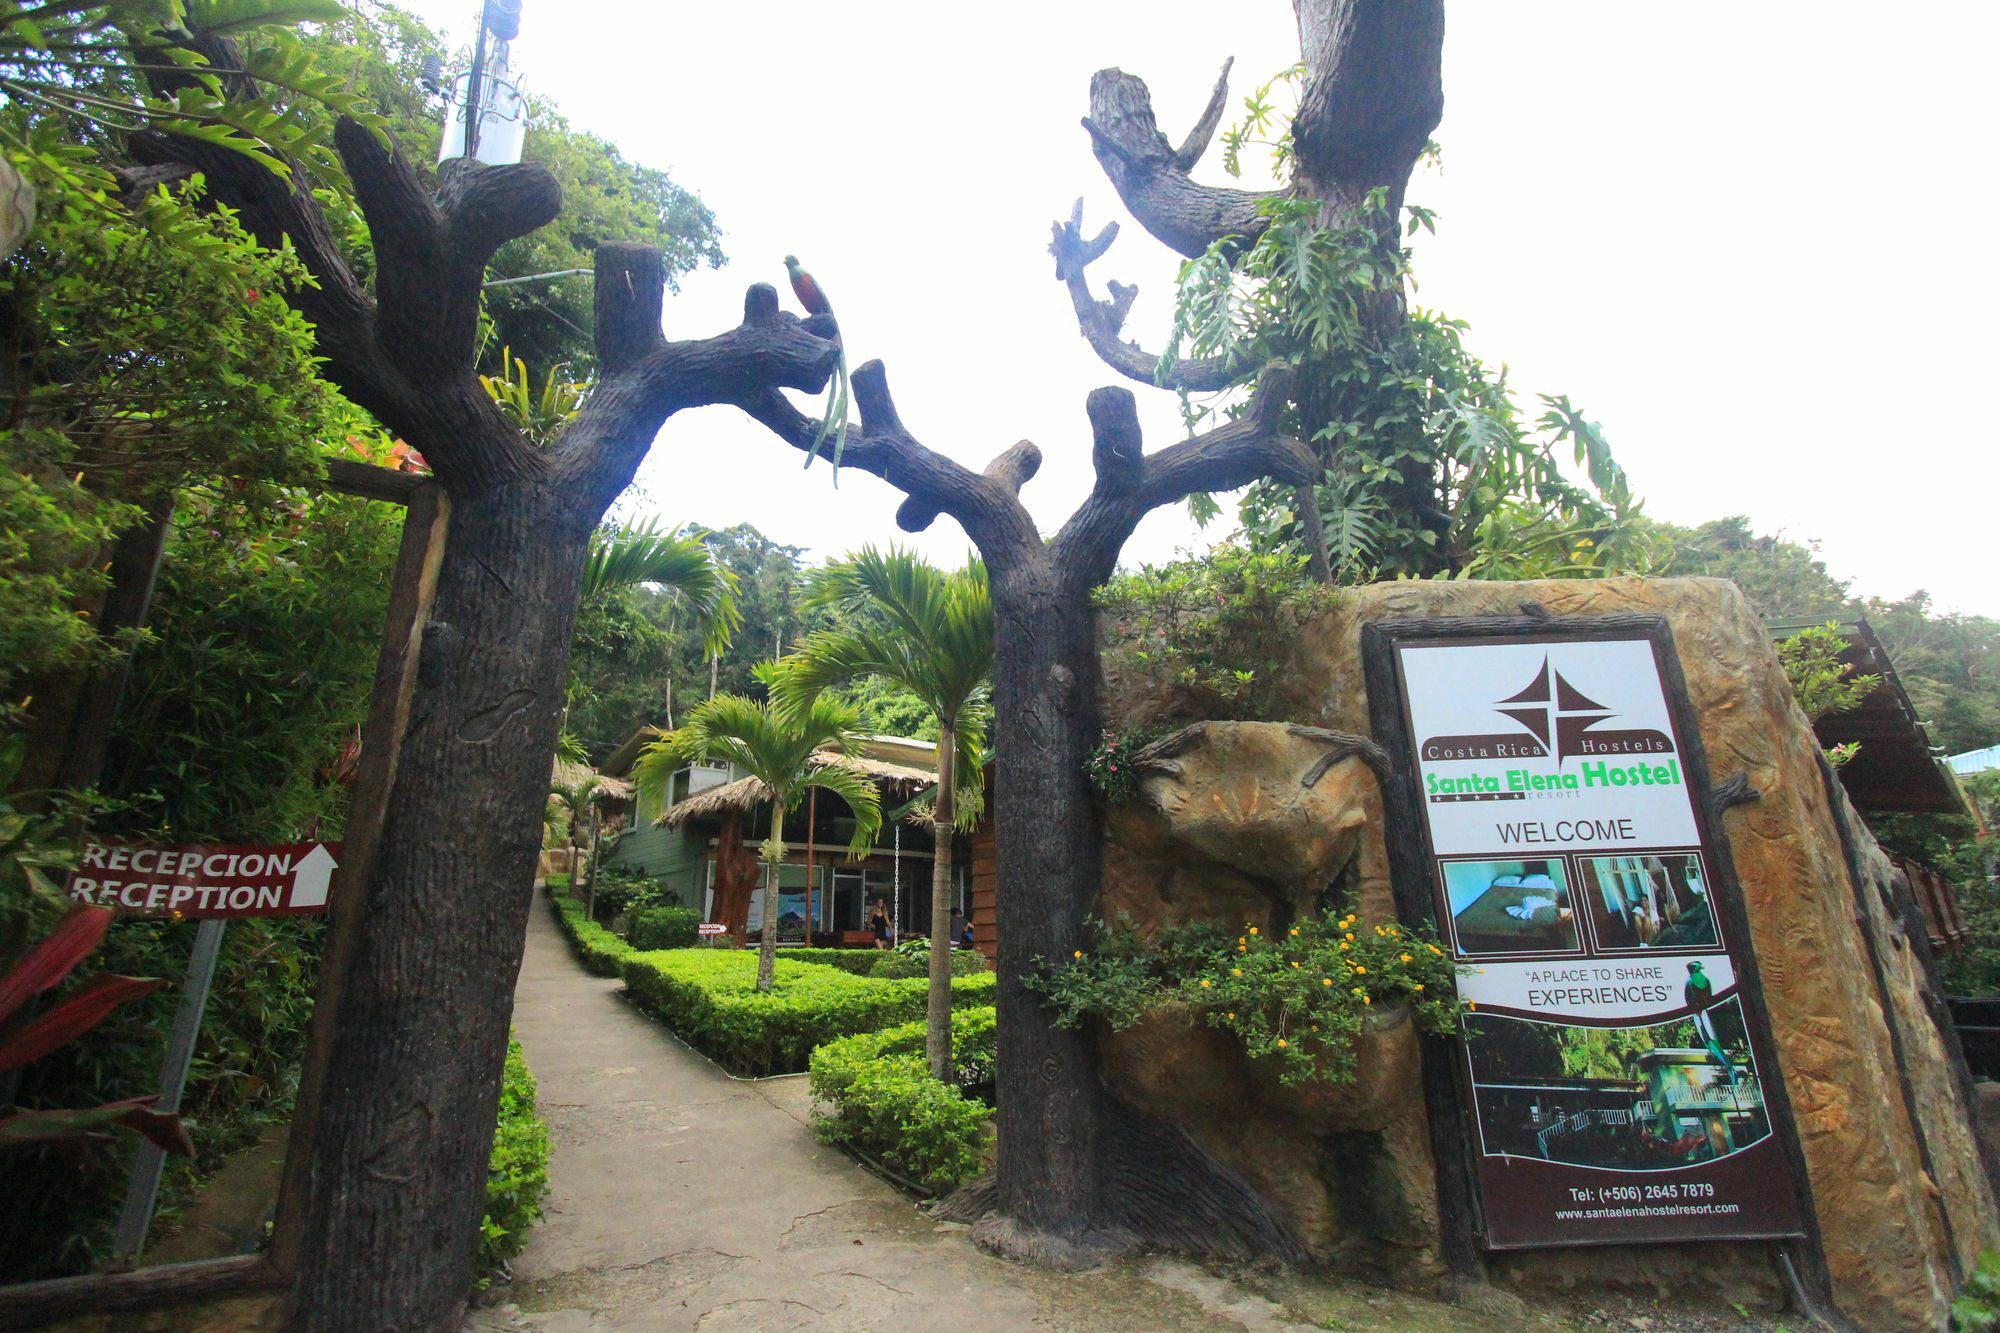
{"x":1648,"y":902}
{"x":1501,"y":907}
{"x":1656,"y":1098}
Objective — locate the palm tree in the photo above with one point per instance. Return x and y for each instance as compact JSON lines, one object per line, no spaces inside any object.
{"x":779,"y":745}
{"x":930,"y":632}
{"x":576,"y":792}
{"x":678,"y":559}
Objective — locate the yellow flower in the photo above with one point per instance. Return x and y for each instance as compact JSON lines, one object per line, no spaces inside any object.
{"x":1470,"y":1005}
{"x":1315,"y":1027}
{"x":1294,"y":964}
{"x":1235,"y":971}
{"x":1253,"y":930}
{"x":1434,"y":949}
{"x":1295,"y":930}
{"x":1326,"y":981}
{"x":1242,"y":948}
{"x":1362,"y":970}
{"x":1349,"y":935}
{"x":1366,"y":1000}
{"x":1232,"y":1017}
{"x":1281,"y":1043}
{"x":1077,"y":954}
{"x":1359,"y":991}
{"x":1205,"y":983}
{"x":1241,"y":940}
{"x":1420,"y":985}
{"x":1343,"y":945}
{"x":1408,"y":959}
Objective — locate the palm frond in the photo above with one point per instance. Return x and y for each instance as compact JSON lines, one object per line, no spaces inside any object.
{"x":678,"y":560}
{"x":858,"y":790}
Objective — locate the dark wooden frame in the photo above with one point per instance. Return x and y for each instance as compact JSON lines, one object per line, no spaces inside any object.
{"x":1445,"y":1096}
{"x":411,"y":587}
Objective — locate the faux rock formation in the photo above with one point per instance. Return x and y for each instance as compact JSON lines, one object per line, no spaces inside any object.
{"x":1227,"y":829}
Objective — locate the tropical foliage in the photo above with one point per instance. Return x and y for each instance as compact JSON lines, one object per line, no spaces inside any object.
{"x":779,"y":745}
{"x":1200,"y":638}
{"x":1299,"y":996}
{"x":874,"y":1095}
{"x":1431,"y":467}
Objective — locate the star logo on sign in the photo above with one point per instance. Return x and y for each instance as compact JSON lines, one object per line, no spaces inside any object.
{"x":1554,"y":711}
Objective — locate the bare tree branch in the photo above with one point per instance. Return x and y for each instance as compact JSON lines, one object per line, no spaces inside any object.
{"x":1204,"y":129}
{"x":1150,"y":176}
{"x":986,"y":504}
{"x":1374,"y":94}
{"x":1101,"y":321}
{"x":1130,"y":484}
{"x":648,"y":379}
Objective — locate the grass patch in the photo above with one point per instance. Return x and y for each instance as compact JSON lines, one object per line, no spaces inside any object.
{"x":709,"y":999}
{"x":874,"y":1094}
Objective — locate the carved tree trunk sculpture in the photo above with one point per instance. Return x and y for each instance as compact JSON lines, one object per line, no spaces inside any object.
{"x":736,"y":871}
{"x":407,"y":1081}
{"x":1373,"y":94}
{"x":1076,"y":1179}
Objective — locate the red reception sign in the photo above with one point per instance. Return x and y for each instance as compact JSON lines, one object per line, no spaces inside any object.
{"x":206,"y":879}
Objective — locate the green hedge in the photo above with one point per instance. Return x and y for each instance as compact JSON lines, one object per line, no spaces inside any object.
{"x":857,"y":961}
{"x":709,"y":999}
{"x":869,"y":962}
{"x":875,"y":1095}
{"x":664,"y":928}
{"x":600,"y":950}
{"x":517,"y":1176}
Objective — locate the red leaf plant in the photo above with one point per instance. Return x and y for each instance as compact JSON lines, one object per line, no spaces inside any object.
{"x":74,"y":939}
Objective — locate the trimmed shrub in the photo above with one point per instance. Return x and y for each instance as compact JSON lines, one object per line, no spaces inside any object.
{"x":857,"y":961}
{"x":873,"y":1094}
{"x":709,"y":999}
{"x":517,"y":1176}
{"x":868,"y":962}
{"x":664,"y":928}
{"x":600,"y":951}
{"x":891,"y":965}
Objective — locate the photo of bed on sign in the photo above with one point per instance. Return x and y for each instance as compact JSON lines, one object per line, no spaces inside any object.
{"x":1648,"y":902}
{"x":1510,"y":906}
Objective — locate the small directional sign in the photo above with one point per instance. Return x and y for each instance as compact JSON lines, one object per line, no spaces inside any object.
{"x":206,"y":879}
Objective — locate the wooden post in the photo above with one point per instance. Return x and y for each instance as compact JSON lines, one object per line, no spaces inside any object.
{"x":812,"y":813}
{"x":410,"y":595}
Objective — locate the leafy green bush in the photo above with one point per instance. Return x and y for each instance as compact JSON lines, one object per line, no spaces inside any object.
{"x":1300,"y":996}
{"x":601,"y":951}
{"x":860,"y":962}
{"x":664,"y":928}
{"x":517,"y":1176}
{"x":709,"y":999}
{"x":912,"y":958}
{"x":880,"y":1100}
{"x":1199,"y":634}
{"x":626,"y":892}
{"x":1977,"y":1309}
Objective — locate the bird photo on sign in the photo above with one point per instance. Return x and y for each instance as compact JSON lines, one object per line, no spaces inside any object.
{"x":834,"y":423}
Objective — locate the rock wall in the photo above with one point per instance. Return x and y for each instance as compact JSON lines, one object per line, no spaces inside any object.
{"x":1903,"y":1201}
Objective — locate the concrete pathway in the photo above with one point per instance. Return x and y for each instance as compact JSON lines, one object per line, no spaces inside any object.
{"x":681,"y":1198}
{"x":684,"y":1199}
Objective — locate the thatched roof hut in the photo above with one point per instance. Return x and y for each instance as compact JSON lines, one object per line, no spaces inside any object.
{"x":894,"y":781}
{"x":568,"y":773}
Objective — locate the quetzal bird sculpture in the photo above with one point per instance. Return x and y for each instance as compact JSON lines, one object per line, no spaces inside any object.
{"x":813,"y":297}
{"x":1699,"y":992}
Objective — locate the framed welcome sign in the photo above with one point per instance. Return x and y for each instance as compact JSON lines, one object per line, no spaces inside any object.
{"x":1613,"y":1082}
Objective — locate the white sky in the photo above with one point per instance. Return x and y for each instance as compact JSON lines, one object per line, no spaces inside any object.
{"x":1750,"y":240}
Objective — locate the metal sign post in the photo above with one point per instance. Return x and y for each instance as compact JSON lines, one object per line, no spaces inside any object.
{"x":144,"y":1191}
{"x":210,"y":882}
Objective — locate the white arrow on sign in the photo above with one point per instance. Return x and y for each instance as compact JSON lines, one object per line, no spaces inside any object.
{"x":311,"y":876}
